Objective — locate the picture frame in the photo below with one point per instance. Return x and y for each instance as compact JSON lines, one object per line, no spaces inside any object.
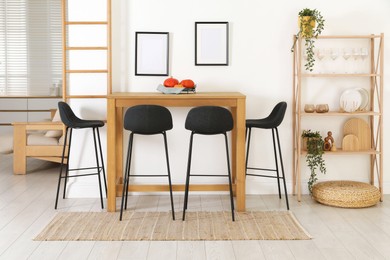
{"x":151,"y":53}
{"x":211,"y":43}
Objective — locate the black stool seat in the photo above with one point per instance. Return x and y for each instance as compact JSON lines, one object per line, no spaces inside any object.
{"x":146,"y":120}
{"x":71,"y":121}
{"x":208,"y":120}
{"x":272,"y":122}
{"x":85,"y":123}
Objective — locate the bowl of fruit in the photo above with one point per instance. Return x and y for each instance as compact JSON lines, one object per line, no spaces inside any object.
{"x":173,"y":86}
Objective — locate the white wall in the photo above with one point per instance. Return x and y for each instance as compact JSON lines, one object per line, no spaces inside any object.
{"x":260,"y":67}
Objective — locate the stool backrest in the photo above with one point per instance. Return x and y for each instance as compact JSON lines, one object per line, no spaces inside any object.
{"x":277,"y":114}
{"x":67,"y":116}
{"x":209,"y":120}
{"x":148,"y":119}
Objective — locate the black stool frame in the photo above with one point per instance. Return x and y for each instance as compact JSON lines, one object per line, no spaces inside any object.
{"x":208,"y":120}
{"x":207,"y":175}
{"x":277,"y":151}
{"x":66,"y":155}
{"x":146,"y":120}
{"x":125,"y":191}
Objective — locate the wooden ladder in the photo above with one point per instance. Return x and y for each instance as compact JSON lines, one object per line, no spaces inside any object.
{"x":73,"y":50}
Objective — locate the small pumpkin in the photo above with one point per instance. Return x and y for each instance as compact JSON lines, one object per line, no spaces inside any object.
{"x":187,"y":83}
{"x":170,"y":82}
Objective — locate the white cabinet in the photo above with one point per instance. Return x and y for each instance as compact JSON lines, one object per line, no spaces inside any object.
{"x":25,"y":109}
{"x":305,"y":82}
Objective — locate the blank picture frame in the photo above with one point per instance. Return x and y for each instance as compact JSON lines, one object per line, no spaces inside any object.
{"x":211,"y":43}
{"x":151,"y":53}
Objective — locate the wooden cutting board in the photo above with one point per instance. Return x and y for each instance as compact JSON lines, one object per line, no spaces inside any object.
{"x":351,"y":143}
{"x":359,"y":128}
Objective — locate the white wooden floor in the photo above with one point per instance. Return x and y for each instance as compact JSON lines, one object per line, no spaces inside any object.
{"x":27,"y":205}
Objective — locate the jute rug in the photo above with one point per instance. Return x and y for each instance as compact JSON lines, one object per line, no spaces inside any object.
{"x":153,"y":226}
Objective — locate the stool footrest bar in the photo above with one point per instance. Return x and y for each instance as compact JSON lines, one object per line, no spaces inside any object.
{"x":261,"y":169}
{"x":267,"y":176}
{"x":80,"y":175}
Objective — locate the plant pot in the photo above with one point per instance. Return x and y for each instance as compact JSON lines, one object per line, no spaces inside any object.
{"x":306,"y":139}
{"x":306,"y":24}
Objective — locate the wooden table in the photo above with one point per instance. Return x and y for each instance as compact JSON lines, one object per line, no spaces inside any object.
{"x":116,"y":102}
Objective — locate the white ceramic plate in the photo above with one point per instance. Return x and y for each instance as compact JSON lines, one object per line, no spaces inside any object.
{"x":365,"y":98}
{"x":350,"y":100}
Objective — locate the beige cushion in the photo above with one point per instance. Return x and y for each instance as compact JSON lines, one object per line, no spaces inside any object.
{"x":61,"y":140}
{"x":346,"y":194}
{"x":37,"y":139}
{"x":55,"y":133}
{"x":6,"y":143}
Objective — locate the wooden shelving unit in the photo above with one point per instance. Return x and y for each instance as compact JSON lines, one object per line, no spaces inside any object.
{"x":374,"y":113}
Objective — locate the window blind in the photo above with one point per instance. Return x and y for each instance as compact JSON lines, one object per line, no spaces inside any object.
{"x":30,"y":46}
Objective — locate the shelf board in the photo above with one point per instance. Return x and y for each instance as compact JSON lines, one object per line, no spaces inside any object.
{"x":370,"y":36}
{"x":24,"y":110}
{"x":342,"y":152}
{"x":335,"y":113}
{"x":338,"y":75}
{"x":27,"y":97}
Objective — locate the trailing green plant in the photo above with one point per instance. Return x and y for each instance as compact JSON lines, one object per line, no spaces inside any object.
{"x":309,"y":33}
{"x":314,"y":160}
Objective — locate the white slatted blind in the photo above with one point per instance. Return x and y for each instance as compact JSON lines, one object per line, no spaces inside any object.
{"x":30,"y":46}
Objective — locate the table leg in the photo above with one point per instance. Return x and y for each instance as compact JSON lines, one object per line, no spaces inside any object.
{"x":240,"y":154}
{"x":119,"y":144}
{"x":111,"y":155}
{"x":234,"y":147}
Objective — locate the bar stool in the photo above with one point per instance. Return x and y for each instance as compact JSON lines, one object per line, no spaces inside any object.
{"x":71,"y":121}
{"x":146,"y":120}
{"x":271,"y":122}
{"x":208,"y":120}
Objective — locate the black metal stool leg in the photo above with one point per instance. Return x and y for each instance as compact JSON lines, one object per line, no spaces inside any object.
{"x":282,"y":167}
{"x":248,"y":135}
{"x":276,"y":163}
{"x":188,"y":177}
{"x":98,"y":166}
{"x":230,"y":177}
{"x":61,"y":167}
{"x":131,"y":140}
{"x":102,"y":160}
{"x":127,"y":176}
{"x":169,"y":174}
{"x":68,"y":161}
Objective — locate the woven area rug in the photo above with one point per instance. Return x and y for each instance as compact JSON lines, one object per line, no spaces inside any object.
{"x":159,"y":226}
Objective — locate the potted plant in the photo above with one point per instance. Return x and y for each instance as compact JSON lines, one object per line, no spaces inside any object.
{"x":313,"y":143}
{"x":311,"y":24}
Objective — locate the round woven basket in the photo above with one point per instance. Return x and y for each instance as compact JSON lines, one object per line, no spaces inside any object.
{"x":346,"y":194}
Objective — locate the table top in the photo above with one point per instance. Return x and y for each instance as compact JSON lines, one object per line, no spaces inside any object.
{"x":157,"y":95}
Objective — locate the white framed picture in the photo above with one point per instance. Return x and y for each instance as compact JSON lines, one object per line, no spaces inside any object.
{"x":151,"y":53}
{"x":211,"y":43}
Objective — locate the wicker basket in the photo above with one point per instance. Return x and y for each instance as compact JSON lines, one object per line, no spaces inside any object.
{"x":346,"y":194}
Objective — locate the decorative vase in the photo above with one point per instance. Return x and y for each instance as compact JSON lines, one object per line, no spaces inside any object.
{"x":309,"y":108}
{"x":322,"y":108}
{"x":306,"y":24}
